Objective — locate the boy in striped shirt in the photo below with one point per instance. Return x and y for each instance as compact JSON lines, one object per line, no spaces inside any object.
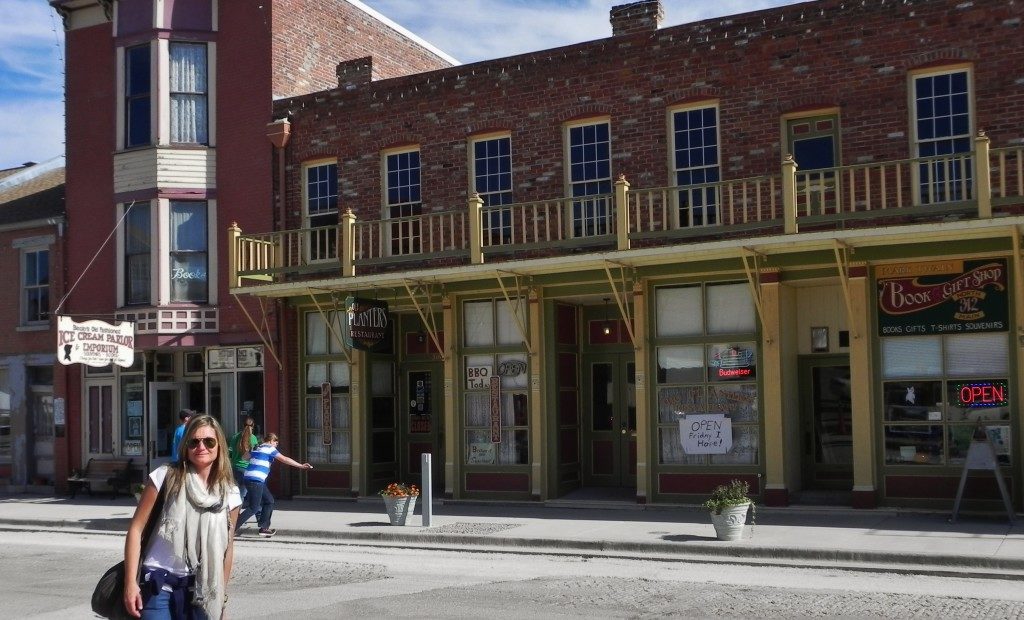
{"x":258,"y":499}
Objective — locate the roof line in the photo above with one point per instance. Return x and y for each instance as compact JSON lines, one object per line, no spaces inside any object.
{"x":404,"y":31}
{"x":32,"y":172}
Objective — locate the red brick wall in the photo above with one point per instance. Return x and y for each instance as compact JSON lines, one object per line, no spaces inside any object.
{"x":758,"y":65}
{"x":12,"y":341}
{"x":312,"y":36}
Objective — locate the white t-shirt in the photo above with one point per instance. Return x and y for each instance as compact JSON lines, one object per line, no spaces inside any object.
{"x":161,"y":553}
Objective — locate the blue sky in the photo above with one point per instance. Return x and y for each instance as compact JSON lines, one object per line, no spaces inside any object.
{"x":32,"y":48}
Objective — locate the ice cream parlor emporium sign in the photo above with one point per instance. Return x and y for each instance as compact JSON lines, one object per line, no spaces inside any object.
{"x":942,"y":297}
{"x":95,"y":343}
{"x":366,"y":323}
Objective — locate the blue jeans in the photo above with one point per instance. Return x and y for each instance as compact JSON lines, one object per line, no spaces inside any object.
{"x":158,"y":606}
{"x":258,"y":501}
{"x":240,"y":482}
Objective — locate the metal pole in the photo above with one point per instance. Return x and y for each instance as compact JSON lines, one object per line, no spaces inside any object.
{"x":426,"y":493}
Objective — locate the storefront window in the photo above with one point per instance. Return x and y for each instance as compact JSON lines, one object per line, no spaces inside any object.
{"x":496,"y":415}
{"x":938,"y":391}
{"x":5,"y":417}
{"x":328,"y":439}
{"x":707,"y":375}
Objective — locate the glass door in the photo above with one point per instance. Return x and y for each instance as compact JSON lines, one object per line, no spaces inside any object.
{"x":422,"y":428}
{"x":610,"y":424}
{"x":827,"y":425}
{"x":165,"y":401}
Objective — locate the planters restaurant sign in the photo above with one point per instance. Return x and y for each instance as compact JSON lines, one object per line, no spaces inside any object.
{"x":366,"y":323}
{"x":944,"y":297}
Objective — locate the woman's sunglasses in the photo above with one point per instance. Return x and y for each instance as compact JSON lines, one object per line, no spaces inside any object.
{"x":209,"y":442}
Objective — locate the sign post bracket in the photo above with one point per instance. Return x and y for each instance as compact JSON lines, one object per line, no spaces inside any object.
{"x":843,"y":264}
{"x":330,"y":324}
{"x":520,"y":300}
{"x":426,"y":316}
{"x":622,"y":297}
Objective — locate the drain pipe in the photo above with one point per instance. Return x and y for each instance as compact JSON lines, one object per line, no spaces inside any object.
{"x":278,"y":133}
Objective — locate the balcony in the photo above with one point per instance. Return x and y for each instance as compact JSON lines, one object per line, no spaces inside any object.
{"x":787,"y":207}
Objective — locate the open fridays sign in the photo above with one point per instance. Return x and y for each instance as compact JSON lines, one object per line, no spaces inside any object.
{"x":942,"y":297}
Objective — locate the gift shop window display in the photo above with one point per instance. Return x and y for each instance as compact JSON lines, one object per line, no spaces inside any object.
{"x":937,"y":389}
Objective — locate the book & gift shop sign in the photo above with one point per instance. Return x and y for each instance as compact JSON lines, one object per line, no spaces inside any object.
{"x":942,"y":297}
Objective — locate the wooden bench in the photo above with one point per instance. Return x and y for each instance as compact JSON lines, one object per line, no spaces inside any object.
{"x":118,"y":474}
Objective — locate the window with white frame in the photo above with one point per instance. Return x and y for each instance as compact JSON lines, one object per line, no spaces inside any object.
{"x":695,"y":164}
{"x":189,"y":259}
{"x":496,"y":417}
{"x":402,"y":200}
{"x":326,"y":369}
{"x":188,"y":93}
{"x":942,"y":135}
{"x":938,"y":391}
{"x":707,"y":363}
{"x":492,"y":180}
{"x":321,"y":204}
{"x":137,"y":96}
{"x":137,"y":257}
{"x":590,"y":178}
{"x":35,"y":286}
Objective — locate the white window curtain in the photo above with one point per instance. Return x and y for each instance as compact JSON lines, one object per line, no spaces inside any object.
{"x":188,"y":90}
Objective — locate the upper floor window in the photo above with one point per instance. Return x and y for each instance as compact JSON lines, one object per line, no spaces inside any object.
{"x":813,"y":141}
{"x":35,"y":284}
{"x":321,"y":205}
{"x":137,"y":89}
{"x":188,"y":91}
{"x":590,"y":175}
{"x":492,"y":180}
{"x":188,"y":252}
{"x":942,"y":130}
{"x":695,"y":165}
{"x":402,"y":200}
{"x":137,"y":242}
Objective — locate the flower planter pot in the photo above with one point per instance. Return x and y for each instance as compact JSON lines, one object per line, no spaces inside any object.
{"x":731,"y":523}
{"x":399,"y":508}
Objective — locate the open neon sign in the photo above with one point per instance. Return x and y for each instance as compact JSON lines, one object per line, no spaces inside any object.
{"x":982,"y":394}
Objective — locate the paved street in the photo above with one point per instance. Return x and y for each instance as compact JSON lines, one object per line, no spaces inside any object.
{"x":50,"y":575}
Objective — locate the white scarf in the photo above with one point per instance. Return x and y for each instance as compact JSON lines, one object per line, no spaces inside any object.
{"x":203,"y":541}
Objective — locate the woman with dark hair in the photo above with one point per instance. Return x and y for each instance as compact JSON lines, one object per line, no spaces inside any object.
{"x":187,"y":564}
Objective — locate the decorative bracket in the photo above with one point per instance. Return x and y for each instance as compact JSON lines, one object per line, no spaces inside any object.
{"x":426,"y":316}
{"x":842,"y":252}
{"x":754,"y":279}
{"x":263,"y":332}
{"x":622,"y":297}
{"x":330,"y":324}
{"x":517,"y":306}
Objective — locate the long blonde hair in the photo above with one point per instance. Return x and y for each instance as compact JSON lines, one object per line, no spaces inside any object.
{"x":220,"y":473}
{"x":244,"y":446}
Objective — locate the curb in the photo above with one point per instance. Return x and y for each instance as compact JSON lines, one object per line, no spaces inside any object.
{"x":869,"y":561}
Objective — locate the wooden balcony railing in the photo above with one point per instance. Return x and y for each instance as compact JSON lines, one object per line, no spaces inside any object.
{"x":964,"y":183}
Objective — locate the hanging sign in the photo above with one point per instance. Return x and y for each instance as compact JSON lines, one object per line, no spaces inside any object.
{"x":95,"y":343}
{"x":366,"y":323}
{"x":325,"y":408}
{"x":944,"y":297}
{"x":705,"y":433}
{"x":495,"y":410}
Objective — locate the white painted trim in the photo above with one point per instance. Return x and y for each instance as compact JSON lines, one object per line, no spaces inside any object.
{"x":402,"y":31}
{"x":215,"y":16}
{"x":119,"y":86}
{"x":158,"y":14}
{"x":212,"y":292}
{"x":211,"y":93}
{"x":119,"y":275}
{"x":159,"y":97}
{"x":39,"y":241}
{"x":162,"y":242}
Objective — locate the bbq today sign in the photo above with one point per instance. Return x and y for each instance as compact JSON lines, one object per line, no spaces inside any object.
{"x":944,"y":297}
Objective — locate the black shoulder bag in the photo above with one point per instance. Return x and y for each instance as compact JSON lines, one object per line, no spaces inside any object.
{"x":108,"y":597}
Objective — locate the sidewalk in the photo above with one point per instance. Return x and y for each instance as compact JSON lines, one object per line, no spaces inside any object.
{"x":875,"y":540}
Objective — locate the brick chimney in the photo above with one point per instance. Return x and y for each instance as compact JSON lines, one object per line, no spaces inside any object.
{"x":354,"y":73}
{"x":642,"y":16}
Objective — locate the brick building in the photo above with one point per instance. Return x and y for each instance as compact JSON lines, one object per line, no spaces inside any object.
{"x":32,"y":233}
{"x":167,"y":109}
{"x":782,"y":246}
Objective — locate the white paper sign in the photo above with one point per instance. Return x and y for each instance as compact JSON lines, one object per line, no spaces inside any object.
{"x":95,"y":343}
{"x":705,"y":433}
{"x":478,"y":377}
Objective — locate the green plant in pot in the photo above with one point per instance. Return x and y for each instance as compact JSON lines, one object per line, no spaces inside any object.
{"x":728,"y":505}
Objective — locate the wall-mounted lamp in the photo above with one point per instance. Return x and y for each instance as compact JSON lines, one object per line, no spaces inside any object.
{"x":606,"y":329}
